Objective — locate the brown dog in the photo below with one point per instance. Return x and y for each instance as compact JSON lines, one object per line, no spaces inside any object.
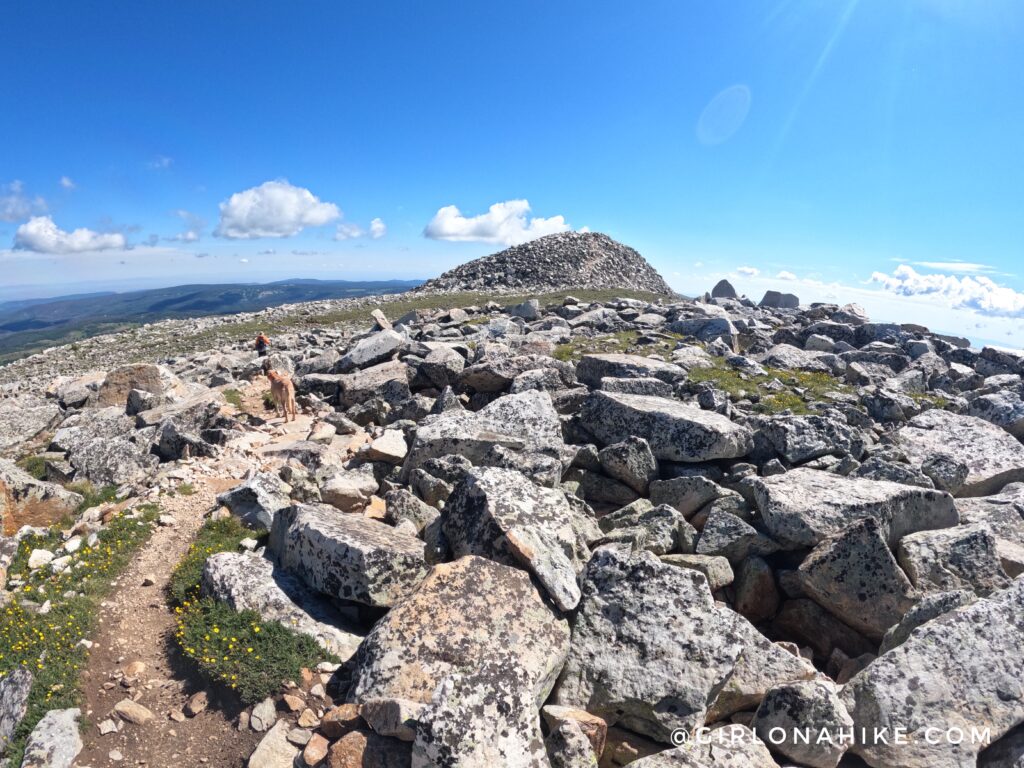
{"x":283,"y":391}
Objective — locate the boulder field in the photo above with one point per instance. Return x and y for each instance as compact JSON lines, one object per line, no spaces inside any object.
{"x":578,"y":534}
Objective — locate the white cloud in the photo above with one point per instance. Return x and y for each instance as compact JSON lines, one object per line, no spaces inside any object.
{"x":348,"y":232}
{"x":957,"y":267}
{"x":698,"y":264}
{"x":41,"y":235}
{"x":273,"y":209}
{"x":979,"y":293}
{"x":66,"y":182}
{"x":749,"y":271}
{"x":16,"y":205}
{"x":583,"y":230}
{"x":378,"y":228}
{"x":784,"y":275}
{"x":194,"y":226}
{"x":505,"y":223}
{"x":160,"y":163}
{"x":244,"y":261}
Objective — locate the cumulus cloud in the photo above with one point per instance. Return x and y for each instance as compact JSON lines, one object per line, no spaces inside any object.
{"x":505,"y":223}
{"x":348,"y":231}
{"x":784,"y":275}
{"x":16,"y":205}
{"x":749,"y":271}
{"x":194,"y":226}
{"x":41,"y":235}
{"x":244,"y":261}
{"x":66,"y":182}
{"x":273,"y":209}
{"x":378,"y":228}
{"x":976,"y":292}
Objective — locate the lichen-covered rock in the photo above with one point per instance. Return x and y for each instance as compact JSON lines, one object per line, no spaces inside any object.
{"x":349,"y":489}
{"x":22,"y":418}
{"x":727,"y":535}
{"x":567,"y":746}
{"x":802,"y":507}
{"x":650,"y":647}
{"x":854,"y":575}
{"x":802,"y":438}
{"x":257,"y":500}
{"x":807,"y":707}
{"x":103,"y":446}
{"x":993,"y":457}
{"x":499,"y":514}
{"x":474,"y":635}
{"x":371,"y":350}
{"x":523,"y":423}
{"x":358,"y":387}
{"x":1003,"y":515}
{"x":14,"y":691}
{"x":660,"y":530}
{"x":54,"y":742}
{"x":687,"y":493}
{"x":929,"y":607}
{"x":347,"y":556}
{"x":674,"y":431}
{"x":474,"y":723}
{"x":592,"y":369}
{"x":248,"y":582}
{"x":1004,"y":409}
{"x":630,"y":462}
{"x":956,"y":558}
{"x":961,"y":670}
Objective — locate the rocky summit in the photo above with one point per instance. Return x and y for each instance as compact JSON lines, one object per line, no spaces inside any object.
{"x":569,"y":259}
{"x":556,"y":533}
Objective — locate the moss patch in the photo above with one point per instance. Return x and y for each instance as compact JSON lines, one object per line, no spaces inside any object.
{"x":91,"y":495}
{"x":622,"y":342}
{"x":233,"y":397}
{"x":798,"y":390}
{"x":34,"y":465}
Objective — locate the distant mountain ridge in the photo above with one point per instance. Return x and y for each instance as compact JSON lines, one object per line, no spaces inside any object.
{"x":32,"y":324}
{"x":567,"y":260}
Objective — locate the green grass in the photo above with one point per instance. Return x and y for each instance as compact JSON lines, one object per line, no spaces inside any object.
{"x":91,"y":495}
{"x":34,"y":465}
{"x":239,"y":650}
{"x":221,"y":535}
{"x":930,"y":398}
{"x":624,"y":342}
{"x":48,"y":644}
{"x":800,"y":388}
{"x":233,"y":397}
{"x":233,"y":648}
{"x":186,"y":489}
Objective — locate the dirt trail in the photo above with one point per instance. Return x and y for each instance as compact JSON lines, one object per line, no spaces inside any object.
{"x":136,"y":625}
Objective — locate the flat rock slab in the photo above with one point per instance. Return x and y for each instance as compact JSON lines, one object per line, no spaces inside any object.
{"x":802,"y":507}
{"x":348,"y":556}
{"x":246,"y":581}
{"x":961,"y":670}
{"x":14,"y":690}
{"x":472,"y":618}
{"x":524,"y":422}
{"x":592,"y":368}
{"x":674,"y":430}
{"x":994,"y":458}
{"x":22,"y":418}
{"x":255,"y":502}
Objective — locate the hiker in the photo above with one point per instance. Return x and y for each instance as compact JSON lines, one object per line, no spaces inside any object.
{"x":262,"y":342}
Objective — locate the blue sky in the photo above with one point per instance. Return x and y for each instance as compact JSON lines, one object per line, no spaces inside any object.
{"x":866,"y":150}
